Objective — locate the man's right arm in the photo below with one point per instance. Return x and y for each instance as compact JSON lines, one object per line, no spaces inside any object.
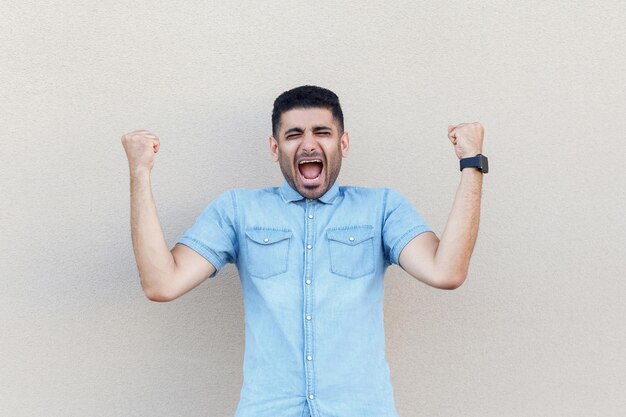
{"x":165,"y":275}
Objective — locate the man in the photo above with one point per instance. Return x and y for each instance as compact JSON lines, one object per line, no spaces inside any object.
{"x":311,"y":257}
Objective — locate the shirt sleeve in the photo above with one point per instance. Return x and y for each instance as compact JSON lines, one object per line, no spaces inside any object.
{"x":213,"y":235}
{"x":401,"y":223}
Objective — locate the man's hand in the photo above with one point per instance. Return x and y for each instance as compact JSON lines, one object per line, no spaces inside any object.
{"x":467,"y":139}
{"x":140,"y":147}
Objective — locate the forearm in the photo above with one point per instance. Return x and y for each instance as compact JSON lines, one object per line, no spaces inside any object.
{"x":459,"y":236}
{"x":154,"y":260}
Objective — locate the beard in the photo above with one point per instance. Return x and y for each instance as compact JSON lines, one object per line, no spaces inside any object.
{"x":292,"y":174}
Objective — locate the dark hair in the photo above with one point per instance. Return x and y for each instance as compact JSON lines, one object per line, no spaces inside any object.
{"x":305,"y":97}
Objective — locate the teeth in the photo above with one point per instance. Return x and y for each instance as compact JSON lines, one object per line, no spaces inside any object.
{"x":308,"y":162}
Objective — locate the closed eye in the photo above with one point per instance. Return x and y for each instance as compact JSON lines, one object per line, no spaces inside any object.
{"x":323,"y":132}
{"x":293,"y":133}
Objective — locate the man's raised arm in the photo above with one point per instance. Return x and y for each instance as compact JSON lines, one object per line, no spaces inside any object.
{"x":444,"y":263}
{"x":164,"y":275}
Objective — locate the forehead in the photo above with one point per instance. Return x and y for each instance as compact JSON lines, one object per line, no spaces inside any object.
{"x":306,"y":118}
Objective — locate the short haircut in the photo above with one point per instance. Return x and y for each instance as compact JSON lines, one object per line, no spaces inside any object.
{"x":306,"y":97}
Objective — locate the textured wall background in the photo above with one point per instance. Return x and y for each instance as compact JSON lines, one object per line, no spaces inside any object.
{"x":537,"y":330}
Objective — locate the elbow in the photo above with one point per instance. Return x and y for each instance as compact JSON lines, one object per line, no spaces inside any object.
{"x":156,"y":294}
{"x":451,"y":282}
{"x":158,"y":297}
{"x":453,"y":278}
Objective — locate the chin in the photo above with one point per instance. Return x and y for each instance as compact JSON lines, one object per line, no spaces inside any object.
{"x":312,"y":192}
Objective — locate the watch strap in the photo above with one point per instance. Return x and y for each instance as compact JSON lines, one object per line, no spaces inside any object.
{"x":479,"y":161}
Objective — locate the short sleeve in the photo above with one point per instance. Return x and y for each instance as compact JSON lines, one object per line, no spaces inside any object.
{"x":401,"y":223}
{"x":213,"y":235}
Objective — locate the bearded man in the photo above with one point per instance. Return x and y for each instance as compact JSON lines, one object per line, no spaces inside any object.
{"x":311,"y":257}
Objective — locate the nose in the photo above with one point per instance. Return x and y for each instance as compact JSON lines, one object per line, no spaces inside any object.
{"x":309,"y":142}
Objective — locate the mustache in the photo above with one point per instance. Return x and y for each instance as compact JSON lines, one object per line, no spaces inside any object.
{"x":305,"y":154}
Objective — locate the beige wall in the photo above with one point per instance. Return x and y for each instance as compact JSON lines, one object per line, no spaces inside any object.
{"x":537,"y":330}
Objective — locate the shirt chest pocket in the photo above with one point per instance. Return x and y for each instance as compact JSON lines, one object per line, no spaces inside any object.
{"x":351,"y":250}
{"x":268,"y":251}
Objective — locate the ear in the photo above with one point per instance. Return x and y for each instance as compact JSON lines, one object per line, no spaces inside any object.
{"x":345,"y":144}
{"x":273,"y":148}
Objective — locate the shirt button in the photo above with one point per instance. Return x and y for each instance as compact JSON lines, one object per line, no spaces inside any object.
{"x":351,"y":239}
{"x":311,"y":396}
{"x":310,"y":216}
{"x":308,"y":282}
{"x":309,"y":358}
{"x":266,"y":240}
{"x":308,"y":317}
{"x":309,"y":246}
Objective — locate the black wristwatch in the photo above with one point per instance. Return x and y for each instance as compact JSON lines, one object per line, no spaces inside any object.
{"x":479,"y":161}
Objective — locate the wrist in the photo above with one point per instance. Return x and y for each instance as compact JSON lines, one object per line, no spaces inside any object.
{"x":139,"y":172}
{"x":472,"y":171}
{"x":470,"y":154}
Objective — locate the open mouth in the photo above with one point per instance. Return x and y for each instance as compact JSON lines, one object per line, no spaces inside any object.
{"x":310,"y":170}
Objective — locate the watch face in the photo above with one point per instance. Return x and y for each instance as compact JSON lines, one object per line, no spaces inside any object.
{"x":484,"y":164}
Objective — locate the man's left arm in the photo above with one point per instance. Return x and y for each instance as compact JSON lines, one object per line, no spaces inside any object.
{"x":444,"y":263}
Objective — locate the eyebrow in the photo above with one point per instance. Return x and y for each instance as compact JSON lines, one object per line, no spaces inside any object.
{"x":293,"y":130}
{"x":321,"y":127}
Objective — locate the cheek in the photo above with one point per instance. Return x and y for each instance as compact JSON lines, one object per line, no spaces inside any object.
{"x":284,"y":159}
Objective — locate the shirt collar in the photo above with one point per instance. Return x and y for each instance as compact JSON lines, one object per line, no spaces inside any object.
{"x":290,"y":195}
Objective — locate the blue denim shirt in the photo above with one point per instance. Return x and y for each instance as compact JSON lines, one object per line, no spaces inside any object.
{"x":312,"y":281}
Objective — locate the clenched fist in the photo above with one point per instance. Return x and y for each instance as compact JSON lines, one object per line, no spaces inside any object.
{"x":140,"y":147}
{"x":467,"y":139}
